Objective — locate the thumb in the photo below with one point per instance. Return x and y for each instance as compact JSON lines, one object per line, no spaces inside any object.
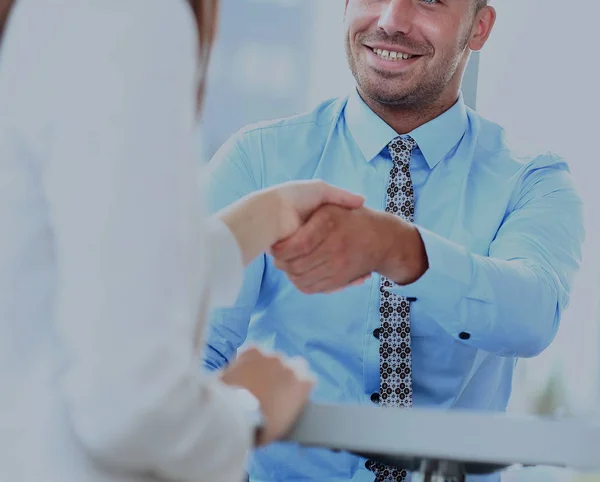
{"x":341,"y":197}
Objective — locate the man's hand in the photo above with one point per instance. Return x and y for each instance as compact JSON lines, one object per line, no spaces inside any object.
{"x":336,"y":247}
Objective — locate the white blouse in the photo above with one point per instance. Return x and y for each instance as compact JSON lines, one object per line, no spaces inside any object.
{"x":107,"y":266}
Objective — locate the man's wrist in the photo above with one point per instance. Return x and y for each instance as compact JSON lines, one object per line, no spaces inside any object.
{"x":404,"y":258}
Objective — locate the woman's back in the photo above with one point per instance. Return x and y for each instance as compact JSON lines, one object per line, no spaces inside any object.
{"x":97,"y":101}
{"x":35,"y":439}
{"x":28,"y":273}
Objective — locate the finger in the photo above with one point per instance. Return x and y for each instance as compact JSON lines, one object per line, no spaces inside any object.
{"x":301,"y":368}
{"x":321,"y":276}
{"x":303,"y":265}
{"x":340,"y":197}
{"x":249,"y":352}
{"x":308,"y":238}
{"x":305,"y":283}
{"x":326,"y":286}
{"x":357,"y":282}
{"x":322,"y":280}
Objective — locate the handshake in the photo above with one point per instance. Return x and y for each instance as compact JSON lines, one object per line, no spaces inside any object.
{"x":328,"y":240}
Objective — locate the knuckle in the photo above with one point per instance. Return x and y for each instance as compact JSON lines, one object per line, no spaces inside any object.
{"x":326,"y":216}
{"x":265,"y":360}
{"x":273,"y":359}
{"x":296,"y":280}
{"x":285,"y":267}
{"x":304,"y":246}
{"x":310,"y":290}
{"x":304,"y":289}
{"x":296,"y":267}
{"x":304,"y":285}
{"x":306,"y":386}
{"x":332,"y":217}
{"x":289,"y":373}
{"x":251,"y":353}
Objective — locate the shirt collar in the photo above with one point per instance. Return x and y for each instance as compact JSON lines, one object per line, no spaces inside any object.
{"x":435,"y":138}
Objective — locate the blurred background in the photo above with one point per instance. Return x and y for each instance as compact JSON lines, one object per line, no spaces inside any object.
{"x":536,"y":78}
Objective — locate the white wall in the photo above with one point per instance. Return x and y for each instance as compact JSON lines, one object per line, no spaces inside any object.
{"x":330,"y":75}
{"x":539,"y":79}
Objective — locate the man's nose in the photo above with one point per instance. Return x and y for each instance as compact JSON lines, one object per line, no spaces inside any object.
{"x":397,"y":16}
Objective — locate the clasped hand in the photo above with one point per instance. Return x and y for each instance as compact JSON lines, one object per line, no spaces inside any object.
{"x":335,"y":242}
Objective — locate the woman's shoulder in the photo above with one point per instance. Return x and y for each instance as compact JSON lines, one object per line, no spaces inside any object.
{"x":153,"y":22}
{"x":77,"y":30}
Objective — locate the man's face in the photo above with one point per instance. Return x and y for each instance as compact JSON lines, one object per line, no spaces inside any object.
{"x":408,"y":52}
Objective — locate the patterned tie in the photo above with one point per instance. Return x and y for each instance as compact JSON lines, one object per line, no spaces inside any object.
{"x":395,"y":367}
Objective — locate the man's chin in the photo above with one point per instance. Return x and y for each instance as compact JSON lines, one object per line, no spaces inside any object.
{"x":391,"y":96}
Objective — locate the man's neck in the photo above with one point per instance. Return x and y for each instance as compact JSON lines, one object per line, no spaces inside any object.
{"x":404,"y":119}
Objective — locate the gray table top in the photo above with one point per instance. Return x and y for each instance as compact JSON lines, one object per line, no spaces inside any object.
{"x":482,"y":442}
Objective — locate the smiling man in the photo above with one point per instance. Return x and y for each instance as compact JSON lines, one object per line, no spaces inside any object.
{"x":474,"y":248}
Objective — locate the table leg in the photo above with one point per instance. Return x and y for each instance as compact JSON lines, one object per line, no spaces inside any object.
{"x":439,"y":471}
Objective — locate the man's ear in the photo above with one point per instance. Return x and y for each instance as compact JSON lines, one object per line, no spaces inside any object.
{"x":484,"y":23}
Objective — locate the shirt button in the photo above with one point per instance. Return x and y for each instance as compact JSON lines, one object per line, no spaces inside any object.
{"x":375,"y":397}
{"x":464,"y":336}
{"x":377,"y":332}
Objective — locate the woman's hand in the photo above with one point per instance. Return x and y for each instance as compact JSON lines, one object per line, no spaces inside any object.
{"x":299,"y":199}
{"x":282,"y":386}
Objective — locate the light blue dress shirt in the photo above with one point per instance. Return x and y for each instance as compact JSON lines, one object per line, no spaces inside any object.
{"x":503,"y":235}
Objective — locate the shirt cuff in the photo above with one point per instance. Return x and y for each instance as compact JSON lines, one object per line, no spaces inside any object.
{"x":447,"y":280}
{"x":226,"y":264}
{"x":230,"y":414}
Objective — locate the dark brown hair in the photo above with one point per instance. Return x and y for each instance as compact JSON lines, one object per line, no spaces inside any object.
{"x":205,"y":11}
{"x":5,"y":8}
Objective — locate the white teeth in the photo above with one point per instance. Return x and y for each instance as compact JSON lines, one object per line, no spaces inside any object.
{"x":387,"y":55}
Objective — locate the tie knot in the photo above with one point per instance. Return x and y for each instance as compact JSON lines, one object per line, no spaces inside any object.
{"x":401,"y":148}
